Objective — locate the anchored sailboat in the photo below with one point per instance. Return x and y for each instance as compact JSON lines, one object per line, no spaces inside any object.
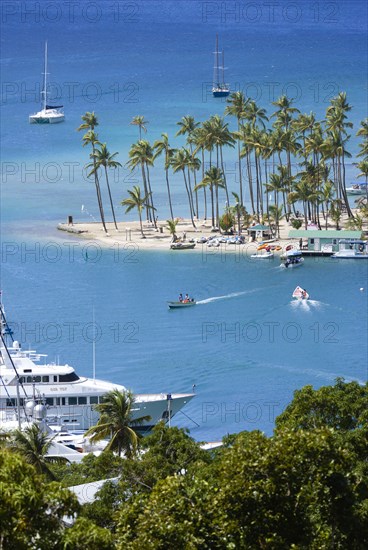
{"x":48,"y":114}
{"x":219,"y":88}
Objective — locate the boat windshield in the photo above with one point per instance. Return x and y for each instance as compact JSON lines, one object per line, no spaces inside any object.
{"x":71,"y":377}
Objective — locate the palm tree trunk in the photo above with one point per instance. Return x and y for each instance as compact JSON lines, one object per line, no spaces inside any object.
{"x":224,"y":176}
{"x":150,"y":198}
{"x":240,"y":170}
{"x":250,"y":183}
{"x":204,"y":189}
{"x":189,"y":199}
{"x":98,"y":190}
{"x":191,"y":194}
{"x":148,"y":213}
{"x":140,"y":223}
{"x":110,"y":197}
{"x":212,"y":206}
{"x":168,"y":192}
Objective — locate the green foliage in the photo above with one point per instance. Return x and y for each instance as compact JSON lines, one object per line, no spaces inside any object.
{"x":91,"y":468}
{"x":342,"y":407}
{"x":115,"y":422}
{"x":227,"y":221}
{"x":166,"y":452}
{"x":85,"y":535}
{"x":31,"y":511}
{"x":295,"y":223}
{"x":306,"y":487}
{"x":178,"y":514}
{"x":33,"y":444}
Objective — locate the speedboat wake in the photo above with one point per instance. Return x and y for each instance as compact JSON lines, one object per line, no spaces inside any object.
{"x":306,"y":305}
{"x":227,"y":296}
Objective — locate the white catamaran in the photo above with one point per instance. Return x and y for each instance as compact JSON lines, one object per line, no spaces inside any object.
{"x":48,"y":114}
{"x":219,"y":88}
{"x":69,"y":398}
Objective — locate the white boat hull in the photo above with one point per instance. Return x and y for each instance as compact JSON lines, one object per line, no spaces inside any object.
{"x":347,"y":255}
{"x":266,"y":256}
{"x":70,"y":399}
{"x":47,"y":117}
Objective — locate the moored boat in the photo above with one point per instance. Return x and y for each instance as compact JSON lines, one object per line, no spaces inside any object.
{"x":352,"y":250}
{"x":49,"y":114}
{"x":69,"y":397}
{"x":219,"y":88}
{"x":182,"y":246}
{"x":267,"y":255}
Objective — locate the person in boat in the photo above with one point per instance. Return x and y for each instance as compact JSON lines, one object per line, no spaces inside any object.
{"x":180,"y":297}
{"x":186,"y":299}
{"x":304,"y":293}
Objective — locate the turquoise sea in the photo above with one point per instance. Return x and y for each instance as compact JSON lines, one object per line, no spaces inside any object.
{"x":246,"y":347}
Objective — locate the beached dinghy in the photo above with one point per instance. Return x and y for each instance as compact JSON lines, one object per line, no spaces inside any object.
{"x":300,"y":294}
{"x":182,"y":246}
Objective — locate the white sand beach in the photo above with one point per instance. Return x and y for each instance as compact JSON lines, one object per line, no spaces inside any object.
{"x":160,"y":238}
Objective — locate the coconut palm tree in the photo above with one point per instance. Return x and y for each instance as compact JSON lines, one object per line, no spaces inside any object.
{"x":240,"y":212}
{"x":213,"y":179}
{"x":222,"y":137}
{"x":162,"y":146}
{"x":171,"y":225}
{"x":336,"y":127}
{"x":188,"y":126}
{"x":335,"y":212}
{"x":33,"y":444}
{"x":363,"y":167}
{"x":104,"y":158}
{"x":275,"y":215}
{"x":135,"y":200}
{"x":199,"y":142}
{"x":363,"y":130}
{"x":90,"y":138}
{"x":141,"y":154}
{"x":304,"y":193}
{"x":237,"y":106}
{"x":180,"y":162}
{"x":284,"y":113}
{"x":116,"y":422}
{"x":141,"y":123}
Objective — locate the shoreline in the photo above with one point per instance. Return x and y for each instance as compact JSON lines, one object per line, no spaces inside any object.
{"x":128,"y":233}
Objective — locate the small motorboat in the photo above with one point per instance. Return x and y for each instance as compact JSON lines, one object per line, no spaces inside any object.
{"x":184,"y":303}
{"x":357,"y":189}
{"x":300,"y":294}
{"x":263,"y":256}
{"x":182,"y":246}
{"x":293,"y":259}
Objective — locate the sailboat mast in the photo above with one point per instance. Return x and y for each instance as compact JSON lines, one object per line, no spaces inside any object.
{"x":223,"y":68}
{"x":217,"y":62}
{"x":45,"y":78}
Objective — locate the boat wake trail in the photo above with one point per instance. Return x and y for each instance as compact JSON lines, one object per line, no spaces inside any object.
{"x":227,"y":296}
{"x":306,"y":305}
